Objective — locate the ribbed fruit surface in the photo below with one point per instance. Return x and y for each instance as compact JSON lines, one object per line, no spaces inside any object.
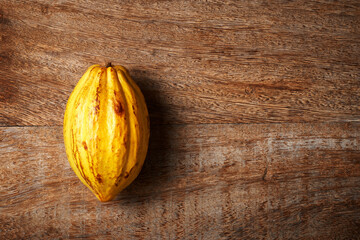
{"x":106,"y":130}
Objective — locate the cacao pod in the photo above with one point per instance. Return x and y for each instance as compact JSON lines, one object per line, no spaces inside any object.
{"x":106,"y":130}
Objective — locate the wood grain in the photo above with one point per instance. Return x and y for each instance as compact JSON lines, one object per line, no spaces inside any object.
{"x":196,"y":61}
{"x":226,"y":181}
{"x":254,"y":108}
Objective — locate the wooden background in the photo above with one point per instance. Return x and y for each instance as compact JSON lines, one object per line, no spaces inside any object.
{"x":254,"y":106}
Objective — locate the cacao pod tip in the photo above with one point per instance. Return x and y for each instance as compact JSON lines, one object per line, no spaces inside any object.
{"x":105,"y":197}
{"x":108,"y":65}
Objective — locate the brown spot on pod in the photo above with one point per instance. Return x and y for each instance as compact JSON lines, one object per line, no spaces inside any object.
{"x":97,"y":108}
{"x":133,"y":109}
{"x":97,"y":100}
{"x":126,"y":175}
{"x":98,"y":178}
{"x":84,"y":145}
{"x":118,"y":108}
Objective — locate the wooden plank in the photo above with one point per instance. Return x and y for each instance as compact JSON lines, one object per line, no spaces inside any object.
{"x":227,"y":181}
{"x":197,"y":62}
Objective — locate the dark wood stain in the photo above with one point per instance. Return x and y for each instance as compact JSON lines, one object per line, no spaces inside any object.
{"x":254,"y":113}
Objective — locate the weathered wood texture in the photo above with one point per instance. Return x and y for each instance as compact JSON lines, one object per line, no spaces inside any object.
{"x":289,"y":70}
{"x":202,"y":61}
{"x":253,"y":181}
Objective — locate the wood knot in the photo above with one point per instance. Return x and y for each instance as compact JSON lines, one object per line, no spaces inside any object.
{"x":264,"y":174}
{"x":44,"y":9}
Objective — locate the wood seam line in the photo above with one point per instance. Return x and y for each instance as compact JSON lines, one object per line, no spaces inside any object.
{"x":194,"y":124}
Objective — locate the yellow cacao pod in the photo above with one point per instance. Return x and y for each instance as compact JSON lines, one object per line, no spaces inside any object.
{"x":106,"y":130}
